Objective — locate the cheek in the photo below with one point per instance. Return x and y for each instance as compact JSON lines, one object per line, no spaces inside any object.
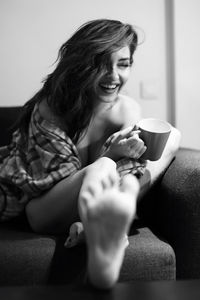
{"x":125,"y":76}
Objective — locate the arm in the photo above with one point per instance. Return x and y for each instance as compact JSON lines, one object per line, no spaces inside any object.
{"x":131,"y":114}
{"x":157,"y":168}
{"x":126,"y":143}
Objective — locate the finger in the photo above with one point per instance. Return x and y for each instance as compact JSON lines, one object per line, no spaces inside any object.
{"x":129,"y":142}
{"x":138,"y":153}
{"x":136,"y":127}
{"x":135,"y":133}
{"x":142,"y":151}
{"x":124,"y":133}
{"x":110,"y":139}
{"x":140,"y":145}
{"x":134,"y":141}
{"x":138,"y":150}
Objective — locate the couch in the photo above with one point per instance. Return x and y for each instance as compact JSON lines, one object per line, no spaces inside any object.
{"x":164,"y":239}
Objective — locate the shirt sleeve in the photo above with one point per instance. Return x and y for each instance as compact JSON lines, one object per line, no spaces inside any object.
{"x":38,"y":163}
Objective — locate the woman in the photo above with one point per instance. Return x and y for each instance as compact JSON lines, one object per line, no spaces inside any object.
{"x":75,"y":150}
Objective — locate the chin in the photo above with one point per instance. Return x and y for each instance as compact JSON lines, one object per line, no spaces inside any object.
{"x":108,"y":99}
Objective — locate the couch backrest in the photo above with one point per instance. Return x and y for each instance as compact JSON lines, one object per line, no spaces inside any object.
{"x":8,"y":116}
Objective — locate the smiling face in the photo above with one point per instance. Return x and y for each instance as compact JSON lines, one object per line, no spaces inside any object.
{"x":117,"y":74}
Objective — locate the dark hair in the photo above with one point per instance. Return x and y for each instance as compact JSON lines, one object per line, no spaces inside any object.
{"x":81,"y":62}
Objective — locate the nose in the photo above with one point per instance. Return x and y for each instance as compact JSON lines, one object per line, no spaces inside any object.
{"x":113,"y":73}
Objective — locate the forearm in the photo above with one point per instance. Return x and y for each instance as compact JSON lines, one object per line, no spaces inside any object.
{"x":157,"y":168}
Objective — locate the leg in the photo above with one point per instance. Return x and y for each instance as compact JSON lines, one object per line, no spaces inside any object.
{"x":106,"y":211}
{"x":54,"y":211}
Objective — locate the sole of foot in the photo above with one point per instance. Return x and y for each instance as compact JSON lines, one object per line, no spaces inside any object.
{"x":107,"y":211}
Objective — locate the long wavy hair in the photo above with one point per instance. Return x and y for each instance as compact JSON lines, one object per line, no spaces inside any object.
{"x":81,"y":62}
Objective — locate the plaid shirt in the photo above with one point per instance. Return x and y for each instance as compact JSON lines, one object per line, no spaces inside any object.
{"x":29,"y":167}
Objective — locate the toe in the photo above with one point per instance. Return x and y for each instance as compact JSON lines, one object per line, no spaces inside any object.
{"x":130,"y":184}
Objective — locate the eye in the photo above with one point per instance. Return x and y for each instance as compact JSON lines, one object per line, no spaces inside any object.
{"x":124,"y":65}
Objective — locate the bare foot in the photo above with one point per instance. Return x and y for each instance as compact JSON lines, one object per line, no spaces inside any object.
{"x":76,"y":235}
{"x":106,"y":211}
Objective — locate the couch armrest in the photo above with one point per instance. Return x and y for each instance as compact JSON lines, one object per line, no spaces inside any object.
{"x":172,"y":209}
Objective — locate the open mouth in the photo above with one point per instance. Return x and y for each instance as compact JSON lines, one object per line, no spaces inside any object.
{"x":109,"y":88}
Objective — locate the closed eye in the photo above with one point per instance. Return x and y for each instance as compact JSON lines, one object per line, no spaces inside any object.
{"x":124,"y":65}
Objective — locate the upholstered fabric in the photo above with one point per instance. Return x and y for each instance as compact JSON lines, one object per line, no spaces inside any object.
{"x":8,"y":117}
{"x":148,"y":257}
{"x":164,"y":244}
{"x":173,"y":211}
{"x":25,"y":257}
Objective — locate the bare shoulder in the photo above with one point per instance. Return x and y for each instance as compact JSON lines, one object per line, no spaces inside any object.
{"x":47,"y":114}
{"x":128,"y":102}
{"x":45,"y":110}
{"x":130,"y":110}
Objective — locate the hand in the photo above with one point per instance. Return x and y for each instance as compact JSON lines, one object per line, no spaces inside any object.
{"x":125,"y":143}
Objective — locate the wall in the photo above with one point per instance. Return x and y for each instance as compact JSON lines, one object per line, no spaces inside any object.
{"x":187,"y":70}
{"x":31,"y":32}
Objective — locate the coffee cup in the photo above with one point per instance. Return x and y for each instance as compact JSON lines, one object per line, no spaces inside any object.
{"x":154,"y":133}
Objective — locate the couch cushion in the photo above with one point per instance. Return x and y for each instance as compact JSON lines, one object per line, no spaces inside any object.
{"x":148,"y":258}
{"x":25,"y":257}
